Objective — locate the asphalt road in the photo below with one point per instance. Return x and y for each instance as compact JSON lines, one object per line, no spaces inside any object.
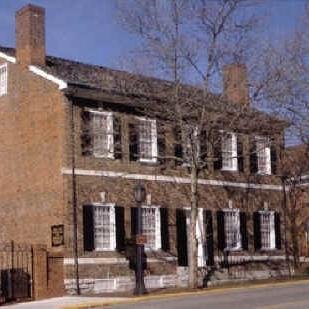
{"x":293,"y":295}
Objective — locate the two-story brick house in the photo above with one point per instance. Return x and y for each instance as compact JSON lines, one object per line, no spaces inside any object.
{"x":73,"y":146}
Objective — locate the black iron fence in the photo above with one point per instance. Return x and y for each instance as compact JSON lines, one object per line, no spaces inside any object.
{"x":16,"y":271}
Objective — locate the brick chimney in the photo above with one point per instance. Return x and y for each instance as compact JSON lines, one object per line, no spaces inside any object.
{"x":236,"y":83}
{"x":30,"y":35}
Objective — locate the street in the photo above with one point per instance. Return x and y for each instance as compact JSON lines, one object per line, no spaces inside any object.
{"x":290,"y":295}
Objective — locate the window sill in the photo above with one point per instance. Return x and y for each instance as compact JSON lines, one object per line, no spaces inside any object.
{"x":233,"y":249}
{"x":148,"y":162}
{"x":225,"y":169}
{"x":104,"y":157}
{"x":104,"y":250}
{"x":268,"y":249}
{"x":147,"y":249}
{"x":263,"y":173}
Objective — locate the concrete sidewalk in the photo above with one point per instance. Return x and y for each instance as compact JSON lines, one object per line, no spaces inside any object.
{"x":82,"y":302}
{"x":61,"y":302}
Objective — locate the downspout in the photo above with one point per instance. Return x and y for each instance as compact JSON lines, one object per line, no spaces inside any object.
{"x":74,"y":201}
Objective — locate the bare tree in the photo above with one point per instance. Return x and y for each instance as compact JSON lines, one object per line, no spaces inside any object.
{"x":281,"y":87}
{"x":295,"y":171}
{"x":188,"y":41}
{"x":281,"y":80}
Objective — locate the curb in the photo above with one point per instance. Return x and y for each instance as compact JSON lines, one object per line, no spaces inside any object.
{"x":134,"y":300}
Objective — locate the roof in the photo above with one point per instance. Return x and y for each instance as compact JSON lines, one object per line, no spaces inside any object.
{"x":99,"y":78}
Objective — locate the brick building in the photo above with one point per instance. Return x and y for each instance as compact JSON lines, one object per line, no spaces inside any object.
{"x":74,"y":144}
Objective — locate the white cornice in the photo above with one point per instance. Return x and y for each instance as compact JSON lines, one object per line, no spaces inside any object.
{"x":61,"y":83}
{"x":7,"y":57}
{"x":172,"y":179}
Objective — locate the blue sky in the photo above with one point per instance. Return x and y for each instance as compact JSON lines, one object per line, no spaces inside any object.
{"x":87,"y":30}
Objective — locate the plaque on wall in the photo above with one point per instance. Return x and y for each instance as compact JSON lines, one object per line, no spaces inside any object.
{"x":57,"y":235}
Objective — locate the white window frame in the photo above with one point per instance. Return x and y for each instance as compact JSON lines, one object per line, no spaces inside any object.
{"x":236,"y":229}
{"x":3,"y":79}
{"x":112,"y":245}
{"x":229,"y":151}
{"x":157,"y":245}
{"x":263,"y":153}
{"x":272,"y":233}
{"x":154,"y":138}
{"x":110,"y":135}
{"x":200,"y":235}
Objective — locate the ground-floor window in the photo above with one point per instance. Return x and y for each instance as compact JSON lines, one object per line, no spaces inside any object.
{"x":104,"y":227}
{"x":232,"y":229}
{"x":151,"y":227}
{"x":267,"y":221}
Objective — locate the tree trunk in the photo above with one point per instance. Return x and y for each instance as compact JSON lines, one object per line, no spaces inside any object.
{"x":192,"y":241}
{"x":294,"y":234}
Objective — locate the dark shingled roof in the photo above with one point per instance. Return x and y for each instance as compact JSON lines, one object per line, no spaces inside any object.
{"x":100,"y":78}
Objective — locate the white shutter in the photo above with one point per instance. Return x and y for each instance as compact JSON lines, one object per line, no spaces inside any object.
{"x":112,"y":228}
{"x":110,"y":135}
{"x":272,"y":230}
{"x":200,"y":238}
{"x":154,"y":143}
{"x":268,"y":161}
{"x":237,"y":223}
{"x":158,"y":229}
{"x":3,"y":79}
{"x":199,"y":234}
{"x":234,"y":151}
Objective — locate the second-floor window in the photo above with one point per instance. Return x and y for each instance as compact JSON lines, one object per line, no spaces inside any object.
{"x":263,"y":155}
{"x":148,"y":149}
{"x":103,"y":136}
{"x":3,"y":79}
{"x":143,"y":140}
{"x":232,"y":229}
{"x":229,"y":151}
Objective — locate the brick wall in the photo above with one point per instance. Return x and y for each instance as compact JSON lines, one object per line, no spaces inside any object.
{"x":32,"y":124}
{"x":164,"y":194}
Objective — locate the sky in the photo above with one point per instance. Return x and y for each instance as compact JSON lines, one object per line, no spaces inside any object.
{"x":88,"y":30}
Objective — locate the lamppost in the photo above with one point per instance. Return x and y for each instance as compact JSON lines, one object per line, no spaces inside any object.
{"x":139,"y":196}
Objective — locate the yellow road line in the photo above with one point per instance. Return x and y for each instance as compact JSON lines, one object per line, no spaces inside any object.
{"x":180,"y":294}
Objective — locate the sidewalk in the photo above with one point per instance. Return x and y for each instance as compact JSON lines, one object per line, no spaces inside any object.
{"x":81,"y":302}
{"x":66,"y":302}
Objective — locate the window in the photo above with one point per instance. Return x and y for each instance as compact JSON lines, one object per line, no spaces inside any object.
{"x":148,"y":149}
{"x":267,"y":221}
{"x":104,"y":227}
{"x":229,"y":151}
{"x":263,"y":155}
{"x":232,"y":229}
{"x":103,"y":137}
{"x":3,"y":79}
{"x":151,"y":227}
